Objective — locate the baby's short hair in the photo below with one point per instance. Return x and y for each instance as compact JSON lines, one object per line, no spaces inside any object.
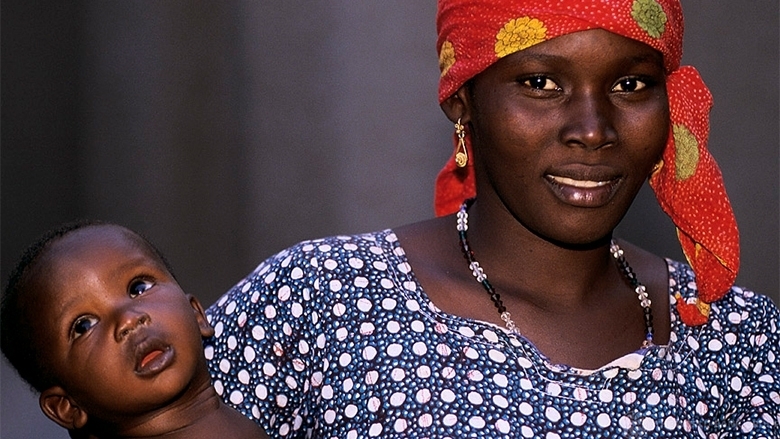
{"x":16,"y":340}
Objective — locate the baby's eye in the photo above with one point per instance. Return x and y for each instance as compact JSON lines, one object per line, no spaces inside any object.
{"x":629,"y":85}
{"x":139,"y":286}
{"x":82,"y":325}
{"x":540,"y":83}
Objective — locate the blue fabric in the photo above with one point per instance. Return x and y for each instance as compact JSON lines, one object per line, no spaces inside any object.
{"x":335,"y":338}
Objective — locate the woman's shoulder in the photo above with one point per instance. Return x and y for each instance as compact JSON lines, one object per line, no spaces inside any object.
{"x":740,"y":308}
{"x":335,"y":247}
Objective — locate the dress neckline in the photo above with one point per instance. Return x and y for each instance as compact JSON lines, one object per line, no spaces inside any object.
{"x":631,"y":361}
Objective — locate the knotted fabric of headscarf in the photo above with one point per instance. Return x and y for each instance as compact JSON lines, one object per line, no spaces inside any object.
{"x":473,"y":34}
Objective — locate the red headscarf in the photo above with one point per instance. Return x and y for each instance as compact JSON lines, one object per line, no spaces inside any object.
{"x":473,"y":34}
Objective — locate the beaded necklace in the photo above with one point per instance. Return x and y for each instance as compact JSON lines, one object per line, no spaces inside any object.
{"x":481,"y":277}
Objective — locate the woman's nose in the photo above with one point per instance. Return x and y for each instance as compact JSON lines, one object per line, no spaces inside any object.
{"x":130,"y":319}
{"x":589,"y":121}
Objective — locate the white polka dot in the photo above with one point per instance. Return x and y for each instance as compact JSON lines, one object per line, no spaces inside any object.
{"x":500,"y":380}
{"x":366,"y":328}
{"x":714,"y":345}
{"x":634,"y":374}
{"x":629,"y":397}
{"x":393,"y":327}
{"x":525,"y":363}
{"x":425,"y":420}
{"x":397,"y":399}
{"x":500,"y":401}
{"x":625,"y":422}
{"x":496,"y":356}
{"x":424,"y":371}
{"x":369,"y":353}
{"x":342,"y":334}
{"x":375,"y":430}
{"x":670,"y":423}
{"x":736,"y":384}
{"x":746,"y":427}
{"x":355,"y":263}
{"x":610,"y":373}
{"x":296,"y":273}
{"x":361,"y":282}
{"x":397,"y":374}
{"x":605,"y":395}
{"x":735,"y":317}
{"x":373,"y":404}
{"x":526,"y":408}
{"x":364,"y":304}
{"x":447,"y":395}
{"x":503,"y":426}
{"x":281,"y":400}
{"x":387,"y":284}
{"x":345,"y":359}
{"x":477,"y":422}
{"x":475,"y":398}
{"x":470,"y":352}
{"x":464,"y":330}
{"x":448,"y":373}
{"x":394,"y":350}
{"x":526,"y":431}
{"x":236,"y":397}
{"x":648,"y":424}
{"x":330,"y":416}
{"x":400,"y":425}
{"x":224,"y":365}
{"x":580,"y":394}
{"x":443,"y":350}
{"x":419,"y":348}
{"x":350,"y":411}
{"x":552,"y":435}
{"x":475,"y":375}
{"x":603,"y":420}
{"x":552,"y":414}
{"x":372,"y":377}
{"x":553,"y":389}
{"x":423,"y":396}
{"x":232,"y":342}
{"x":270,"y":312}
{"x":413,"y":306}
{"x":243,"y":376}
{"x":578,"y":419}
{"x":418,"y":326}
{"x":389,"y":304}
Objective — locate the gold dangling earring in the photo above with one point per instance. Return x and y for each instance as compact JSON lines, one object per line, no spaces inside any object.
{"x":462,"y":155}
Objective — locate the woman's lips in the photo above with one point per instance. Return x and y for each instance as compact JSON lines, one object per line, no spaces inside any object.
{"x":583,"y":192}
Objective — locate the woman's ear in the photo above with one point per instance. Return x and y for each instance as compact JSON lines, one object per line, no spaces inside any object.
{"x":458,"y":106}
{"x":203,"y":323}
{"x":60,"y":408}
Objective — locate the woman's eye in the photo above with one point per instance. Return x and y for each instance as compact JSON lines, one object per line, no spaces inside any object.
{"x":82,"y":325}
{"x":629,"y":85}
{"x":139,"y":286}
{"x":540,"y":83}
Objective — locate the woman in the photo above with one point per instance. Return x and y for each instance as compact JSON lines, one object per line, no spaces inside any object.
{"x":562,"y":109}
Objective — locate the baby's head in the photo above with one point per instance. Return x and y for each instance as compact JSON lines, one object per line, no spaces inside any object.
{"x":95,"y":321}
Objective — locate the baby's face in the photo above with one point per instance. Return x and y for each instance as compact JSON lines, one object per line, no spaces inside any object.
{"x":120,"y":334}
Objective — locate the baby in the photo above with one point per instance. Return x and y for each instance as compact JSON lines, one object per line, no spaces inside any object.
{"x":93,"y":319}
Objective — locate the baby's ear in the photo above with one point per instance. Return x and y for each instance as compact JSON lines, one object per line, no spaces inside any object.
{"x":60,"y":408}
{"x":203,"y":323}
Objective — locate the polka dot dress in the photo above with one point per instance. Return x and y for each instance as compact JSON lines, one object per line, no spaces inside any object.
{"x":335,"y":338}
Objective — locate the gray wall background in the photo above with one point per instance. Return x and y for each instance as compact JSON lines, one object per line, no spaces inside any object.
{"x":226,"y":131}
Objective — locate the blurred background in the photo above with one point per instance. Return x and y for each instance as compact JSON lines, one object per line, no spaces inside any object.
{"x":227,"y":131}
